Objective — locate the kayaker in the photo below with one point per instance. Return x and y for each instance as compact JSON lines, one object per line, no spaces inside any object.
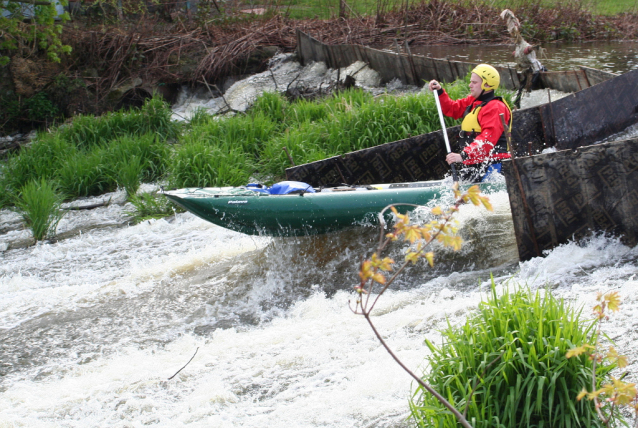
{"x":482,"y":136}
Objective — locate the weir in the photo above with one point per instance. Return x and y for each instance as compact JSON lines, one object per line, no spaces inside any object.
{"x":417,"y":69}
{"x":554,"y":197}
{"x":569,"y":194}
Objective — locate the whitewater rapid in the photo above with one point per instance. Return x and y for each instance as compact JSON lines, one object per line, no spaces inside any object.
{"x":93,"y":326}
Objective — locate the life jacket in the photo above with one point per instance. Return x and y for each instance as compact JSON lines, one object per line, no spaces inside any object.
{"x":471,"y":128}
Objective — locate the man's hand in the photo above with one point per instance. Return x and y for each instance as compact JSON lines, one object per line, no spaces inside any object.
{"x":434,"y":85}
{"x":453,"y":158}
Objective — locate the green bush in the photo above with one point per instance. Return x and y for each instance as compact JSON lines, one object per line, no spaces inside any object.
{"x":508,"y":360}
{"x":243,"y":132}
{"x":39,"y":203}
{"x":129,"y":174}
{"x":86,"y":174}
{"x":152,"y":152}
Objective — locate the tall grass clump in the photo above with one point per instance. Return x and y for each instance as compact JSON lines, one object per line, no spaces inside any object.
{"x":154,"y":117}
{"x":39,"y":204}
{"x":86,"y":174}
{"x":246,"y":133}
{"x":152,"y":153}
{"x":506,"y":366}
{"x":273,"y":105}
{"x":129,"y":174}
{"x":200,"y":164}
{"x":42,"y":160}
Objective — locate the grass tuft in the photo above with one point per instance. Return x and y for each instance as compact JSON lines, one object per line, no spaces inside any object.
{"x":129,"y":174}
{"x":39,"y":203}
{"x":151,"y":206}
{"x":506,"y":366}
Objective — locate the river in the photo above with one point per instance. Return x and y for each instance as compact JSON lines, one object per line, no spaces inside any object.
{"x":613,"y":56}
{"x":93,"y":326}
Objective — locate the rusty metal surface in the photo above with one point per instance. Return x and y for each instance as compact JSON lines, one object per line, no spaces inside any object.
{"x":574,"y":193}
{"x":595,"y":76}
{"x":590,"y":115}
{"x":565,"y":81}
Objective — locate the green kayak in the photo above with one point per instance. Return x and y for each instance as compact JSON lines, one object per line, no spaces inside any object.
{"x":302,"y":213}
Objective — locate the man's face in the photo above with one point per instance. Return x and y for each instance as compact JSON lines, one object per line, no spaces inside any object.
{"x":475,"y":85}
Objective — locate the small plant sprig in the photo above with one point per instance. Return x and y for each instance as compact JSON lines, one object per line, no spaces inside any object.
{"x":618,"y":393}
{"x":420,"y":237}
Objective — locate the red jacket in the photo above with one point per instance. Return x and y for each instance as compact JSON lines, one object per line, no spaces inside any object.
{"x":480,"y":149}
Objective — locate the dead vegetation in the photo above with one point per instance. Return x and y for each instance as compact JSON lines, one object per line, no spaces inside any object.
{"x":157,"y":51}
{"x":152,"y":50}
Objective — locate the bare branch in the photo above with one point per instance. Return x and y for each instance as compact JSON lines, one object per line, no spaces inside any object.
{"x":189,"y":361}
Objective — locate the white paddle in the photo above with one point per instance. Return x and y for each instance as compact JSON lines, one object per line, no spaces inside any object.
{"x":455,"y":176}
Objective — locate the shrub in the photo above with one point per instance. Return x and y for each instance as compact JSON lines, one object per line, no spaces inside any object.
{"x":86,"y":174}
{"x":39,"y":204}
{"x":506,"y":366}
{"x":152,"y":152}
{"x":129,"y":174}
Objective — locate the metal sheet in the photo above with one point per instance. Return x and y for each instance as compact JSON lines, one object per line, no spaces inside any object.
{"x":572,"y":193}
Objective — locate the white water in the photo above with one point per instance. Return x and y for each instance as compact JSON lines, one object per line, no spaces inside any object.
{"x":94,"y":325}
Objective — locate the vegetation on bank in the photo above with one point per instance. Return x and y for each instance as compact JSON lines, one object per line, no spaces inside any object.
{"x":326,"y":9}
{"x":114,"y":44}
{"x":94,"y":155}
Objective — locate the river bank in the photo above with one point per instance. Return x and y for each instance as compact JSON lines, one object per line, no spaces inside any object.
{"x":114,"y":66}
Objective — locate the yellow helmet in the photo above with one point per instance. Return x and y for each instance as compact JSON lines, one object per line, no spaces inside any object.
{"x":489,"y":75}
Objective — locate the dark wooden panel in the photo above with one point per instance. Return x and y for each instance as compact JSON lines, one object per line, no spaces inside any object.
{"x":588,"y":116}
{"x":418,"y":158}
{"x":571,"y":194}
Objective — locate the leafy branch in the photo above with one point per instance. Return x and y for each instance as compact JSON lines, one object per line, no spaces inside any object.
{"x":41,"y":32}
{"x":618,"y":393}
{"x":420,"y":237}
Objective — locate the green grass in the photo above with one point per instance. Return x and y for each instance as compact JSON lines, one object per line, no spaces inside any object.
{"x":92,"y":156}
{"x":607,"y":7}
{"x":89,"y":156}
{"x":326,"y":9}
{"x":203,"y":163}
{"x":149,"y":206}
{"x":506,"y":364}
{"x":88,"y":131}
{"x":39,"y":204}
